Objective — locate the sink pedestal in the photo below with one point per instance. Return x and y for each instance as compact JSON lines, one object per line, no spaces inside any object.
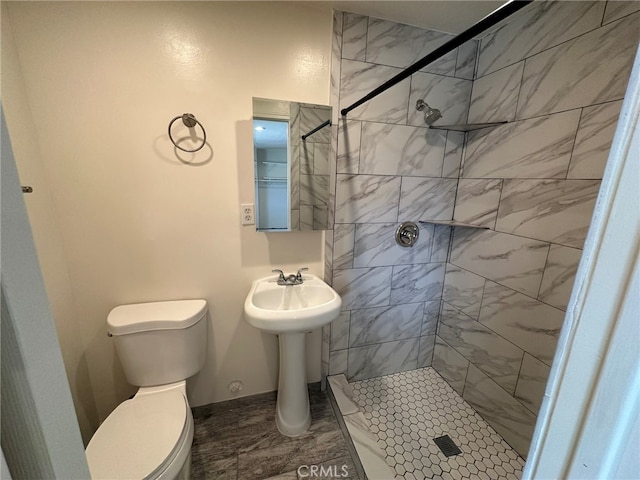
{"x":290,"y":311}
{"x":293,"y":415}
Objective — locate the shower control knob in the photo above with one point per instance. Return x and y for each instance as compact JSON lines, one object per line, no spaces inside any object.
{"x":407,"y":234}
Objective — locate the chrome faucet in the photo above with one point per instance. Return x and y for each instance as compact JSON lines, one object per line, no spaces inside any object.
{"x":291,"y":279}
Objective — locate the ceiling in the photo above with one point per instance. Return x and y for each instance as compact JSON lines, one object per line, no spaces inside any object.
{"x":450,"y":16}
{"x":270,"y":133}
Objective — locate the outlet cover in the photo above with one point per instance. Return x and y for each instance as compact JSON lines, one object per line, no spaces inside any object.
{"x":246,"y":214}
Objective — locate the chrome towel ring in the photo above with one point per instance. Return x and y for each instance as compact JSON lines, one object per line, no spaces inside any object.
{"x":189,"y":121}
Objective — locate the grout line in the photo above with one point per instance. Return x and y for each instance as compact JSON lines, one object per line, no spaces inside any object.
{"x":433,"y":240}
{"x":424,"y":72}
{"x":423,"y":127}
{"x":463,"y":152}
{"x":353,"y":245}
{"x":556,"y":45}
{"x":360,"y":125}
{"x":440,"y":308}
{"x":455,"y":66}
{"x":418,"y":354}
{"x":366,"y":39}
{"x":512,"y":397}
{"x":433,"y":350}
{"x":346,"y":373}
{"x":495,"y":220}
{"x":618,"y":19}
{"x":517,"y":178}
{"x":444,"y":283}
{"x":495,"y":333}
{"x":469,"y":101}
{"x":529,"y":238}
{"x":342,"y":28}
{"x":515,"y":111}
{"x":560,"y":179}
{"x":399,"y":199}
{"x":534,"y":239}
{"x":546,"y":262}
{"x":466,"y":375}
{"x":562,"y":111}
{"x":573,"y":147}
{"x":349,"y":334}
{"x":409,"y":100}
{"x":518,"y":377}
{"x":484,"y":286}
{"x":476,"y":61}
{"x":403,"y":339}
{"x":449,"y":245}
{"x":510,"y":288}
{"x":444,"y":155}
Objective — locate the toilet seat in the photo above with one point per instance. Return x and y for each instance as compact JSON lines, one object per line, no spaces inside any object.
{"x":141,"y":437}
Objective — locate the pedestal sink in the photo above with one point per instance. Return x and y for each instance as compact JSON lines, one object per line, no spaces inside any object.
{"x":290,"y":311}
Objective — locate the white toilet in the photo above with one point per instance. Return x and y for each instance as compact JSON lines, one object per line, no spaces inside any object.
{"x":160,"y":345}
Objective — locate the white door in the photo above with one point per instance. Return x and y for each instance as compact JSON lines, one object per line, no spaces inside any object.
{"x":40,"y":433}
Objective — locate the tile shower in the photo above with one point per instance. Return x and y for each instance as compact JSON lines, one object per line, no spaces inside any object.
{"x":483,"y":308}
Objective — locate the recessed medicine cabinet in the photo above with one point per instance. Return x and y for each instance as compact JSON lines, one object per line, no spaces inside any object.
{"x":291,"y":173}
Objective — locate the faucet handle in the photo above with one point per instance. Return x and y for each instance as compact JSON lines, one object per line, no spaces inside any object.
{"x":281,"y":277}
{"x":299,"y":274}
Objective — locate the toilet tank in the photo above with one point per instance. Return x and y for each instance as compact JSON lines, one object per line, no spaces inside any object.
{"x":160,"y":342}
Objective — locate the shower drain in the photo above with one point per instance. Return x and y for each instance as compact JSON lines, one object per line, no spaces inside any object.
{"x":447,"y":446}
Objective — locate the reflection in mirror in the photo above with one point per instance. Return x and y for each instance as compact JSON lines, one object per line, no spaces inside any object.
{"x":271,"y":159}
{"x":291,"y":174}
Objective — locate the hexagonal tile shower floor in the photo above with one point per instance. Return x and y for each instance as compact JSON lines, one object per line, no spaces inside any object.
{"x":406,"y":411}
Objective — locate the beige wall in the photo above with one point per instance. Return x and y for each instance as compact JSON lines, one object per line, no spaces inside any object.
{"x":44,"y":226}
{"x":89,"y":89}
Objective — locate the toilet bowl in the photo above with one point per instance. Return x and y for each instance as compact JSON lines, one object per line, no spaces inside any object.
{"x":150,"y":435}
{"x":147,"y":437}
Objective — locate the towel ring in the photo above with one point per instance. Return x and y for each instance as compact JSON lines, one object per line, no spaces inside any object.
{"x":189,"y":121}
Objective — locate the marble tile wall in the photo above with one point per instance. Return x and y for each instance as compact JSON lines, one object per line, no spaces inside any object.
{"x":533,"y":182}
{"x":391,"y":168}
{"x":556,"y":72}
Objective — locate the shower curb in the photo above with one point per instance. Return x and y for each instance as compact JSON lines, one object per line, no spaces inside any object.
{"x":364,"y":440}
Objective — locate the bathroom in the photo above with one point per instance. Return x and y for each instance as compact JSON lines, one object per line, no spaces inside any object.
{"x":118,"y":219}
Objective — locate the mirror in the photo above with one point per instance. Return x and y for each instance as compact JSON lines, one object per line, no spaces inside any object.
{"x":291,"y":174}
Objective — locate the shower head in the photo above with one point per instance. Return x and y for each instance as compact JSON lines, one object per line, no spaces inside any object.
{"x":430,"y":114}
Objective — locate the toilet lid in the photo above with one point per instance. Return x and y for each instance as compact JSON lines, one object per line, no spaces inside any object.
{"x":139,"y":437}
{"x":143,"y":317}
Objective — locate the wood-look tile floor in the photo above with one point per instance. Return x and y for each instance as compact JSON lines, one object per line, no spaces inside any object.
{"x":238,"y":440}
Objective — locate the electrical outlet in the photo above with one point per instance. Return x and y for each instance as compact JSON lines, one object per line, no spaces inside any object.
{"x":235,"y":386}
{"x":246,"y":214}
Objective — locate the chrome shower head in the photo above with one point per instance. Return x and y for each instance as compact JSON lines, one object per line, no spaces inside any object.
{"x":430,"y":114}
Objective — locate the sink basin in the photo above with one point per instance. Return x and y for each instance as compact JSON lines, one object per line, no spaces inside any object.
{"x":291,"y":308}
{"x":290,"y":311}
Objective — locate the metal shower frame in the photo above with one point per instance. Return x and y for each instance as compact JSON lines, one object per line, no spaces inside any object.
{"x":489,"y":21}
